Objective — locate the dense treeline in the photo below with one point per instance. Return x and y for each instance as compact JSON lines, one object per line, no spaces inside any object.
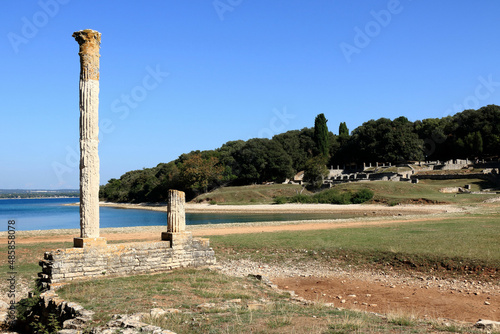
{"x":469,"y":134}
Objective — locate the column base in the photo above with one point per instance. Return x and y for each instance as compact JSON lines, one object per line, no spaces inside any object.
{"x":89,"y":242}
{"x":177,"y":238}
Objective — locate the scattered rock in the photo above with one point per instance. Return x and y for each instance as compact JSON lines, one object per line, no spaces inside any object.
{"x":172,"y":310}
{"x":235,"y":301}
{"x":3,"y":306}
{"x":3,"y":317}
{"x":487,"y":324}
{"x":252,"y":306}
{"x":128,"y":324}
{"x":157,"y":312}
{"x":206,"y":305}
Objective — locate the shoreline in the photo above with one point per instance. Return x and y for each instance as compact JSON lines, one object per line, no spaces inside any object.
{"x":206,"y":230}
{"x":296,"y":208}
{"x":364,"y":214}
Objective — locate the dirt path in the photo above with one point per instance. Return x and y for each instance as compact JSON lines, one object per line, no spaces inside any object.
{"x":153,"y":233}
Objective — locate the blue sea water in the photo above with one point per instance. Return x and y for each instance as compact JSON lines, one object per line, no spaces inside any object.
{"x":51,"y":213}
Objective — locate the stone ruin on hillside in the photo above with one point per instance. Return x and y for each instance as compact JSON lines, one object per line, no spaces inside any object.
{"x":91,"y":256}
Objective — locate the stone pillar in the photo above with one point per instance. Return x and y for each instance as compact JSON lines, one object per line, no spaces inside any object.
{"x":176,"y":224}
{"x":176,"y":212}
{"x":89,"y":41}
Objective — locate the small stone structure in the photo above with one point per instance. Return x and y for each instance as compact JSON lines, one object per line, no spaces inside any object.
{"x":93,"y":261}
{"x":91,"y":256}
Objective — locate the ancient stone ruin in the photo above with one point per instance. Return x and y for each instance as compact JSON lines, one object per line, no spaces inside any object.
{"x":91,"y":256}
{"x":89,"y":41}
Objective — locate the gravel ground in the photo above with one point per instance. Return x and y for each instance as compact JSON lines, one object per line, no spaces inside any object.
{"x":243,"y":268}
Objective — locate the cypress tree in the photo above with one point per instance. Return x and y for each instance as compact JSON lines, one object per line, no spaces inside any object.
{"x":321,"y":134}
{"x":343,"y":130}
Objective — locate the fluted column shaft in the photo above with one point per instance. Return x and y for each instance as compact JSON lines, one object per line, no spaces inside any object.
{"x":176,"y":214}
{"x":89,"y":41}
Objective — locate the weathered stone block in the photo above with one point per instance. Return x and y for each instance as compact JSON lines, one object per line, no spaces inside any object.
{"x":89,"y":242}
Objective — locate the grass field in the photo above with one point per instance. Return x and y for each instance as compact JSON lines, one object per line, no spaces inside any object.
{"x":254,"y":194}
{"x":385,"y":192}
{"x":205,"y":301}
{"x":462,"y":245}
{"x":422,"y":192}
{"x":467,"y":244}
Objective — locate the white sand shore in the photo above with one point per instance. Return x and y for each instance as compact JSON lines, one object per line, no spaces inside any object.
{"x":299,"y":208}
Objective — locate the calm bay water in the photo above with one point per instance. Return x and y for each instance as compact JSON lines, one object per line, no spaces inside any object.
{"x":48,"y":214}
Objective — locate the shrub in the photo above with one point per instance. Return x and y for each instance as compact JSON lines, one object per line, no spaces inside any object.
{"x":330,"y":196}
{"x":362,"y":196}
{"x":300,"y":198}
{"x":280,"y":200}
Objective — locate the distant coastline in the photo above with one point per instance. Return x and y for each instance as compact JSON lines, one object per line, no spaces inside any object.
{"x":38,"y":193}
{"x":42,"y":197}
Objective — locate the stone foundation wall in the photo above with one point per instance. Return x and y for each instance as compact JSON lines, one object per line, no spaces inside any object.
{"x":451,"y":176}
{"x":65,"y":265}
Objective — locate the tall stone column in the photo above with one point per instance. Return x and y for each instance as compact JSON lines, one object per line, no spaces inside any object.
{"x":176,"y":220}
{"x":89,"y":41}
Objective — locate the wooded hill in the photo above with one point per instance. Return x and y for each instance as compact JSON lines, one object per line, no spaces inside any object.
{"x":469,"y":134}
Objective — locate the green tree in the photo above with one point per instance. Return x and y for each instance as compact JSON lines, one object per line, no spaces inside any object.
{"x":385,"y":140}
{"x":343,"y":130}
{"x":226,"y":157}
{"x":299,"y":145}
{"x":316,"y":171}
{"x":321,"y":134}
{"x":262,"y":160}
{"x":200,"y":173}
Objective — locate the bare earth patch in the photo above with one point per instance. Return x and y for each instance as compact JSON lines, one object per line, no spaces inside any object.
{"x":388,"y":296}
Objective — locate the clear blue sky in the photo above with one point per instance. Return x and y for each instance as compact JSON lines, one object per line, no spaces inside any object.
{"x":226,"y":70}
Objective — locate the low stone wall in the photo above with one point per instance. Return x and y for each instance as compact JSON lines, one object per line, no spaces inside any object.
{"x":451,"y":176}
{"x":65,"y":265}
